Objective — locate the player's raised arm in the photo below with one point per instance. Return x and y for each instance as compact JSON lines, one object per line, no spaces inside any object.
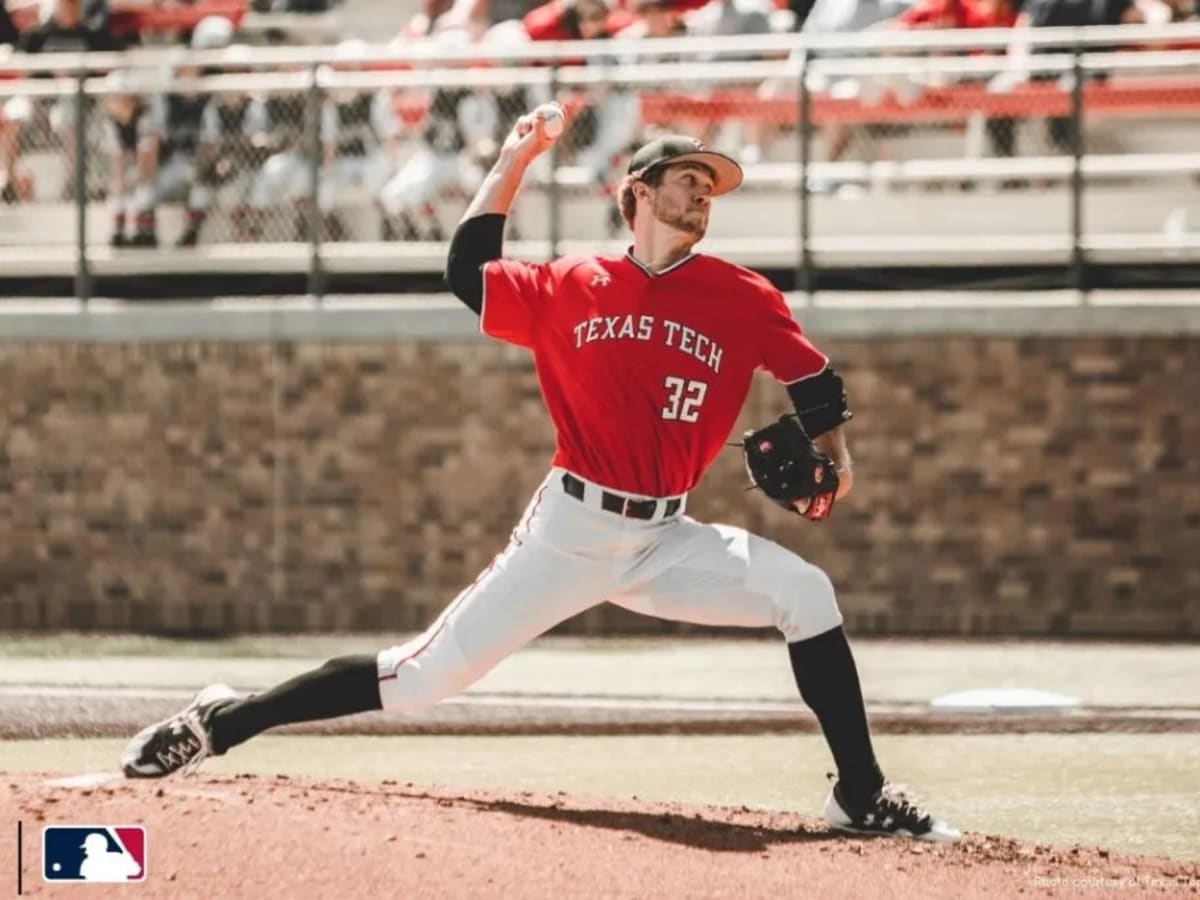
{"x":479,"y":237}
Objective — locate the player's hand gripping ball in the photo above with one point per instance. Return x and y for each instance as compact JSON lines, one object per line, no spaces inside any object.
{"x":553,"y":119}
{"x":536,"y":131}
{"x":786,"y":466}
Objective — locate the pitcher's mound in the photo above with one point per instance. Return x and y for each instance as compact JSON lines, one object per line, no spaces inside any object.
{"x":281,"y":837}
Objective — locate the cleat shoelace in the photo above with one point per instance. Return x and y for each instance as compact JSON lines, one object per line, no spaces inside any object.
{"x":899,"y":803}
{"x":185,"y":749}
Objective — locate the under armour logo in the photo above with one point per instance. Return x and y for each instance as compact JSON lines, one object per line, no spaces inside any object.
{"x":601,"y":279}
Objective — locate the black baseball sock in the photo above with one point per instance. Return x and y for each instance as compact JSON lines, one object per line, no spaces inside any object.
{"x":828,"y":682}
{"x":345,"y":685}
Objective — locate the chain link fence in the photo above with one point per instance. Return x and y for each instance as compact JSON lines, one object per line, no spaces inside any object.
{"x":946,"y":154}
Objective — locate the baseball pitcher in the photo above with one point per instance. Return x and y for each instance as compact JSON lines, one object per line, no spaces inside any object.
{"x":644,"y":361}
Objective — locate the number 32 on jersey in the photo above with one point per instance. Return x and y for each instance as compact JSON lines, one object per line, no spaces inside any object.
{"x":683,"y":399}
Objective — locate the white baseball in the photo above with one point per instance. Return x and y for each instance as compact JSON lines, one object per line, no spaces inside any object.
{"x":553,"y":120}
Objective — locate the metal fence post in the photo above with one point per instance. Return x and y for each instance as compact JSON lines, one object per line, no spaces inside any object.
{"x":83,"y":280}
{"x":555,"y":195}
{"x":312,"y":112}
{"x":804,"y":278}
{"x":1078,"y":260}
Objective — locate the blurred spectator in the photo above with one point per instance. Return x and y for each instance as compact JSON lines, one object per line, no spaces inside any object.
{"x":962,"y":14}
{"x":1078,"y":13}
{"x":167,"y":160}
{"x":616,"y":111}
{"x":575,"y":20}
{"x":226,"y":156}
{"x":126,"y":121}
{"x":8,"y":31}
{"x":493,"y":12}
{"x":516,"y":99}
{"x":358,"y":133}
{"x":10,"y":133}
{"x":171,"y":134}
{"x":404,"y":201}
{"x":726,"y":17}
{"x":73,"y":27}
{"x":466,"y":16}
{"x":657,"y":19}
{"x":459,"y":139}
{"x":850,"y":16}
{"x":1060,"y":131}
{"x":801,"y":10}
{"x":735,"y":17}
{"x":958,"y":14}
{"x":611,"y":125}
{"x":291,"y":6}
{"x":284,"y":176}
{"x":428,"y":19}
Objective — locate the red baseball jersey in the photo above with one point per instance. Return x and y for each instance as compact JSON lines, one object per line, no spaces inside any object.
{"x":644,"y":373}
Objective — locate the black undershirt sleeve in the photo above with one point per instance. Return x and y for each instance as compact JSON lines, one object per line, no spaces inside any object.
{"x":476,"y":241}
{"x":820,"y":402}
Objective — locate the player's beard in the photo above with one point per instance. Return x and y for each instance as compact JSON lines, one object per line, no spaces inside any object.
{"x":689,"y":221}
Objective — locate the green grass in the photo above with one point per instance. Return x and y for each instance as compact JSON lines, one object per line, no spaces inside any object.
{"x":1136,"y":793}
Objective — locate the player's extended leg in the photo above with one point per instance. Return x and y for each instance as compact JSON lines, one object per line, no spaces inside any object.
{"x":721,"y":575}
{"x":545,"y":575}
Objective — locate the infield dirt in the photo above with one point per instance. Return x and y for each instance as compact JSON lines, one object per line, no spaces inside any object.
{"x":261,"y":837}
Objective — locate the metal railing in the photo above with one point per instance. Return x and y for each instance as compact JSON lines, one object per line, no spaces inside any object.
{"x":859,"y":150}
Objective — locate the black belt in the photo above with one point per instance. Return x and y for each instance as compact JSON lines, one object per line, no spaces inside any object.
{"x":629,"y":507}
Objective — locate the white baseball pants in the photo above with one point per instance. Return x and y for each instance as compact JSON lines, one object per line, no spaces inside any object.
{"x":567,"y":555}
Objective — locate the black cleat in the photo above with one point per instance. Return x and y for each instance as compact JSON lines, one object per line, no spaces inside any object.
{"x":890,"y":813}
{"x":143,"y":239}
{"x":177,"y":744}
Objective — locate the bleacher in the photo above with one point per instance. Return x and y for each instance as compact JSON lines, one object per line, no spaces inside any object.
{"x":920,"y":183}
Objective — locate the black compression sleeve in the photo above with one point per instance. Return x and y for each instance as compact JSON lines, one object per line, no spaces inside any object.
{"x":476,"y":241}
{"x":345,"y":685}
{"x":820,"y":402}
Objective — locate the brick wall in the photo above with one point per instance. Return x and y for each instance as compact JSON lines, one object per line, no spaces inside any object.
{"x":1005,"y":486}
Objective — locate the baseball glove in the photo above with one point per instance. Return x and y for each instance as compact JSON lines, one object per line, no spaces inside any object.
{"x":786,"y":466}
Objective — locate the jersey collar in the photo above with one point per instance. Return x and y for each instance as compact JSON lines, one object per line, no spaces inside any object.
{"x":652,"y":274}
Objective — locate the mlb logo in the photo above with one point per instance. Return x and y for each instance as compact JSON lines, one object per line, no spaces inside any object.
{"x":109,"y":853}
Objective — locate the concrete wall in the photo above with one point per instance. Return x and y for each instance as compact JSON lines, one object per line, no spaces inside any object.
{"x":1031,"y":477}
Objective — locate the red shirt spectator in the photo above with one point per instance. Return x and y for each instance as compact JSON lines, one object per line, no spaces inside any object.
{"x":958,"y":14}
{"x":564,"y":20}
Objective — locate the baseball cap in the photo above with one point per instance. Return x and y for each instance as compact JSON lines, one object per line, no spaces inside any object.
{"x":678,"y":148}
